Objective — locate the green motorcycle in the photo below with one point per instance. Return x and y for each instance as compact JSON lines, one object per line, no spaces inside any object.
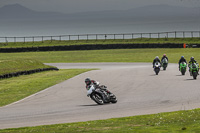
{"x":183,"y":67}
{"x":164,"y":63}
{"x":194,"y":68}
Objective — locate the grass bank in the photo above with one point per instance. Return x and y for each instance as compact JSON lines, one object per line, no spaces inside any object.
{"x":14,"y":89}
{"x":16,"y":65}
{"x":107,"y":41}
{"x":174,"y":122}
{"x":117,"y":55}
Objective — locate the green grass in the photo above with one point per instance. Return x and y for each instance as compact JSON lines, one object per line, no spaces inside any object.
{"x":174,"y":122}
{"x":117,"y":55}
{"x":108,"y":41}
{"x":180,"y":121}
{"x":14,"y":89}
{"x":15,"y":65}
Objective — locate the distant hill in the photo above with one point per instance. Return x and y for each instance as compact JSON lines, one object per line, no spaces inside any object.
{"x":17,"y":11}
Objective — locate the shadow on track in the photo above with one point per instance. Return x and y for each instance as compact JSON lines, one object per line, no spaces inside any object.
{"x":153,"y":75}
{"x":90,"y":105}
{"x":180,"y":75}
{"x":190,"y":79}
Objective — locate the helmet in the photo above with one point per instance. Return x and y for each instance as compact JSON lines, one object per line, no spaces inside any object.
{"x":164,"y":55}
{"x":157,"y":57}
{"x":192,"y":58}
{"x":182,"y":57}
{"x":87,"y":81}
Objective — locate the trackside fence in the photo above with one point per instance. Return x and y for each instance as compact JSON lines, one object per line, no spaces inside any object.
{"x":173,"y":34}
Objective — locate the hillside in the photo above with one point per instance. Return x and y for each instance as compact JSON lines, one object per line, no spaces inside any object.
{"x":17,"y":11}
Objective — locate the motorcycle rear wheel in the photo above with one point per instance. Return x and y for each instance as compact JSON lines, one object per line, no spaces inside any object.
{"x":113,"y":99}
{"x":195,"y":75}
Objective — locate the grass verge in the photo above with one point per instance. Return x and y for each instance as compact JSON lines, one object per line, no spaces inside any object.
{"x":17,"y":65}
{"x":14,"y":89}
{"x":173,"y":122}
{"x":116,"y":55}
{"x":107,"y":41}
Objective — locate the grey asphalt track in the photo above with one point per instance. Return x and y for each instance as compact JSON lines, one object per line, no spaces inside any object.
{"x":138,"y":89}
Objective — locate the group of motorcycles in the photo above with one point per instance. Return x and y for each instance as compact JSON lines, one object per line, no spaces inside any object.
{"x":157,"y":65}
{"x":193,"y":68}
{"x":100,"y":95}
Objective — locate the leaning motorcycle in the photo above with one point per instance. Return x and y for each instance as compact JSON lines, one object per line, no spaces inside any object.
{"x":194,"y":68}
{"x":164,"y":63}
{"x":100,"y":95}
{"x":183,"y":67}
{"x":157,"y":67}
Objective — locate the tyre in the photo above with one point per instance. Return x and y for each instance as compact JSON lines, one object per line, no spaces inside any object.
{"x":183,"y":72}
{"x":97,"y":98}
{"x":156,"y":71}
{"x":195,"y":75}
{"x":164,"y":68}
{"x":113,"y":99}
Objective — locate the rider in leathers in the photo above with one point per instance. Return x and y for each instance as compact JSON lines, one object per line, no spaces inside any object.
{"x":181,"y":60}
{"x":165,"y":56}
{"x":156,"y":60}
{"x":90,"y":82}
{"x":192,"y":60}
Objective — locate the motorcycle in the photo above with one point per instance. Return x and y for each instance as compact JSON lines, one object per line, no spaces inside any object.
{"x":183,"y":67}
{"x":100,"y":95}
{"x":194,"y":68}
{"x":164,"y":63}
{"x":157,"y":67}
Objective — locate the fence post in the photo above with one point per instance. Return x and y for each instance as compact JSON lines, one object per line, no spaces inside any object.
{"x":132,"y":36}
{"x":24,"y":39}
{"x":192,"y":34}
{"x":69,"y":37}
{"x":114,"y":36}
{"x":60,"y":38}
{"x":150,"y":35}
{"x":6,"y":40}
{"x":175,"y":34}
{"x":33,"y":40}
{"x":123,"y":36}
{"x":183,"y":34}
{"x":15,"y":40}
{"x":199,"y":34}
{"x":51,"y":38}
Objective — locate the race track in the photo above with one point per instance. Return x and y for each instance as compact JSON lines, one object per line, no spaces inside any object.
{"x":138,"y":89}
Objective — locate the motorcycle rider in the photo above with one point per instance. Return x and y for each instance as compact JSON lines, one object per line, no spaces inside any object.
{"x":90,"y":82}
{"x":164,"y":56}
{"x":156,"y":60}
{"x":192,"y":60}
{"x":182,"y":59}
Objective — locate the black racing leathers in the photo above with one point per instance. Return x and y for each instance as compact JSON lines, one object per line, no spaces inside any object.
{"x":155,"y":60}
{"x":165,"y":57}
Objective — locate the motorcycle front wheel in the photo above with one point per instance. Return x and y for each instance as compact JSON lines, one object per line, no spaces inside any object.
{"x":97,"y":98}
{"x":183,"y":71}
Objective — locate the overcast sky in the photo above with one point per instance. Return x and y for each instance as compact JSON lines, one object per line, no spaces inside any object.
{"x":71,"y":6}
